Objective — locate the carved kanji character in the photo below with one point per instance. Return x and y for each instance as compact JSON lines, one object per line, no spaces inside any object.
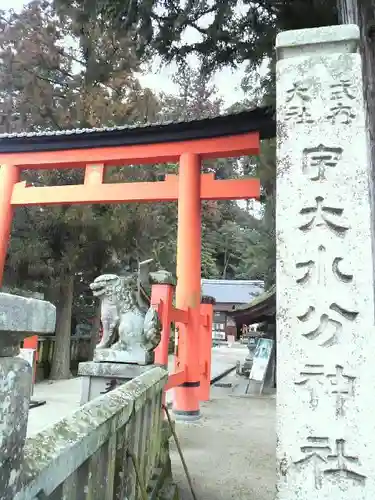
{"x":323,"y":215}
{"x":328,"y":327}
{"x":112,"y":384}
{"x":316,"y":452}
{"x":319,"y":267}
{"x":299,"y":100}
{"x":299,"y":91}
{"x":317,"y":160}
{"x":343,"y":463}
{"x":342,"y":95}
{"x":346,"y":278}
{"x":312,"y":376}
{"x":342,"y":387}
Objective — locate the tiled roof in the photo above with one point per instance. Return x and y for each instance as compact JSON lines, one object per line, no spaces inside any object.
{"x":258,"y":119}
{"x":260,"y":309}
{"x":232,"y":291}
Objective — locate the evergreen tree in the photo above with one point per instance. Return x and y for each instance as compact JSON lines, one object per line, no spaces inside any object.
{"x":45,"y":86}
{"x":226,"y":228}
{"x":196,"y":97}
{"x":231,"y":32}
{"x":228,"y":32}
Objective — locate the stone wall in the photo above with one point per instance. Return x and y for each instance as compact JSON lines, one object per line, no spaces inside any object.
{"x":111,"y":448}
{"x":90,"y":454}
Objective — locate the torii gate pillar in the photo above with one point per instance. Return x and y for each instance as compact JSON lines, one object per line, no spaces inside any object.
{"x":9,"y":176}
{"x":95,"y":151}
{"x":188,"y":292}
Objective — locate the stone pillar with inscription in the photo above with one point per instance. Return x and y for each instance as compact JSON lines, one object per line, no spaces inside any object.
{"x":325,"y":303}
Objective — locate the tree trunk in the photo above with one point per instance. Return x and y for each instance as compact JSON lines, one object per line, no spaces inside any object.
{"x":361,"y":12}
{"x":61,"y":356}
{"x":95,"y":331}
{"x":270,"y":223}
{"x":226,"y":263}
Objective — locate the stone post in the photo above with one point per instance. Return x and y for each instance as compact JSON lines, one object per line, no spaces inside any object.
{"x":20,"y":317}
{"x":205,"y":346}
{"x":162,"y":301}
{"x":325,"y":303}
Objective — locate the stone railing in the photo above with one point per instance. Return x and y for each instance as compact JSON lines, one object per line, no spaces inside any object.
{"x":91,"y":454}
{"x":111,"y":448}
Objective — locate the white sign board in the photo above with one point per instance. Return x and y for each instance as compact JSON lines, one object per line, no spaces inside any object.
{"x":261,"y":359}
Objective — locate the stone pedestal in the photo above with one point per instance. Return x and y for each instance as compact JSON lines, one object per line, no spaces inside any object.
{"x":325,"y":297}
{"x":137,"y":356}
{"x":99,"y":378}
{"x":248,"y":363}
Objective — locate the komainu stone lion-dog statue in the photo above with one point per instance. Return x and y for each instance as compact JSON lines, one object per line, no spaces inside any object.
{"x":131,"y":329}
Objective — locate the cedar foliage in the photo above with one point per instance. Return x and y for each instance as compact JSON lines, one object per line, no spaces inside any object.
{"x":68,"y":71}
{"x":227,"y":32}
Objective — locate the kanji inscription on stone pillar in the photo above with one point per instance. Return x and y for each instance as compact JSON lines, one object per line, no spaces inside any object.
{"x":325,"y":279}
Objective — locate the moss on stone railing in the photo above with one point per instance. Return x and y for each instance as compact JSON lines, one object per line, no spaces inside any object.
{"x":111,"y":448}
{"x":86,"y":455}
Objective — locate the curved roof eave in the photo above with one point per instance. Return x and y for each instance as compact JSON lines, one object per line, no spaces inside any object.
{"x":260,"y":120}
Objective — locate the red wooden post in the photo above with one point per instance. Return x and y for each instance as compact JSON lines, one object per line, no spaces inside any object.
{"x":161,"y":300}
{"x":9,"y":176}
{"x":205,"y":350}
{"x":32,"y":343}
{"x":188,"y":292}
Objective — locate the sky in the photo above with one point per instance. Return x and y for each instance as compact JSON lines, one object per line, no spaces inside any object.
{"x":227,"y":80}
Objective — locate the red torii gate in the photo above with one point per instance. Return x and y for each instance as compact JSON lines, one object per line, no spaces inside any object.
{"x":186,"y":143}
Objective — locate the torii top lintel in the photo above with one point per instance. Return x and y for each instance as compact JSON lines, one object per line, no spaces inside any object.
{"x":93,"y":149}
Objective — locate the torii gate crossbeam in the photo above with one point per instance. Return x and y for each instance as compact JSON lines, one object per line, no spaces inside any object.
{"x":91,"y":152}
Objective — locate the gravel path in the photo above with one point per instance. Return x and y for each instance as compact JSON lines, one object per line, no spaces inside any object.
{"x":230,"y":452}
